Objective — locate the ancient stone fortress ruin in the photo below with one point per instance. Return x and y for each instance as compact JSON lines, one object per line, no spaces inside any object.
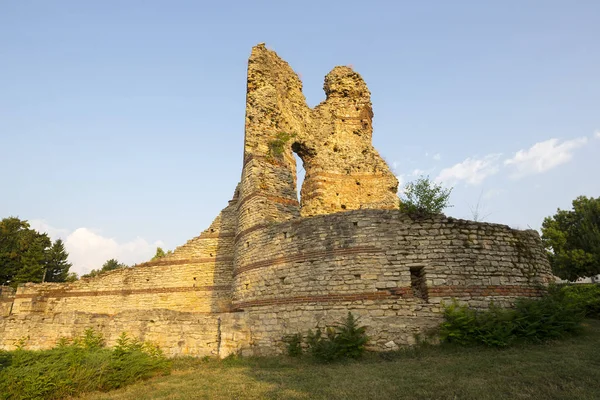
{"x":270,"y":266}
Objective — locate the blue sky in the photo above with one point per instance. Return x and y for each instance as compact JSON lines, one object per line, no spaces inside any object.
{"x":121,"y":122}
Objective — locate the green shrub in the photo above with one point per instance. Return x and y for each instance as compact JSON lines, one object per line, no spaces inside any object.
{"x":81,"y":366}
{"x":323,"y":347}
{"x":343,"y":340}
{"x":532,"y":320}
{"x":351,"y":339}
{"x":586,"y":296}
{"x":293,"y":344}
{"x":550,"y":317}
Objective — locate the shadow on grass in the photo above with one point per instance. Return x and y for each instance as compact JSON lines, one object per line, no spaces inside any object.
{"x":566,"y":369}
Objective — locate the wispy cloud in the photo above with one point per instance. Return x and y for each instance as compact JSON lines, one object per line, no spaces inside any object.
{"x":89,"y":249}
{"x":473,"y":171}
{"x":437,"y":157}
{"x":491,"y":193}
{"x":543,"y":156}
{"x":41,"y":225}
{"x":597,"y":134}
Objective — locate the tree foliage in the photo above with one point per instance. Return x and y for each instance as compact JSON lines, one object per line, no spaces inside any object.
{"x":160,"y":253}
{"x":109,"y":265}
{"x":58,"y":266}
{"x":572,"y":238}
{"x":27,"y":255}
{"x":423,"y":197}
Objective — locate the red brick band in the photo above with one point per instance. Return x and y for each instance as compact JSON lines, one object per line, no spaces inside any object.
{"x":483,"y":291}
{"x":159,"y":263}
{"x":214,"y":236}
{"x":307,"y":256}
{"x":275,"y":199}
{"x":326,"y":298}
{"x":249,"y":230}
{"x":322,"y":175}
{"x":124,"y":292}
{"x":397,"y":293}
{"x":270,"y":160}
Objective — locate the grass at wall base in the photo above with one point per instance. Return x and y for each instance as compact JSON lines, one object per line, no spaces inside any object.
{"x":76,"y":367}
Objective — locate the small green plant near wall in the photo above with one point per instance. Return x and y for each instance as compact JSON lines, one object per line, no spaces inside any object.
{"x":277,"y":145}
{"x":78,"y":366}
{"x":294,"y":344}
{"x":585,"y":296}
{"x":531,"y":320}
{"x":345,"y":339}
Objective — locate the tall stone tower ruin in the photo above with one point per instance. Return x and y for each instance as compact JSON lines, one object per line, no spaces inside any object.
{"x":269,"y":266}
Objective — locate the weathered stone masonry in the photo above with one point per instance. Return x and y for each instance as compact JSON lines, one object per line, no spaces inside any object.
{"x":269,"y":265}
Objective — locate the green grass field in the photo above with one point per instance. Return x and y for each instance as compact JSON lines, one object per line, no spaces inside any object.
{"x":566,"y":369}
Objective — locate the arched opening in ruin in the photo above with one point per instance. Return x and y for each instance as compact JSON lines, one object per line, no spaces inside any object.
{"x":301,"y":153}
{"x":300,"y":174}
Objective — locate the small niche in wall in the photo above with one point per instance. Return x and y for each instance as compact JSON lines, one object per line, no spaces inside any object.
{"x":247,"y":285}
{"x":355,"y":223}
{"x":285,"y":235}
{"x":211,"y":254}
{"x":418,"y":283}
{"x":247,"y":244}
{"x":357,"y":276}
{"x":194,"y":278}
{"x":282,"y":279}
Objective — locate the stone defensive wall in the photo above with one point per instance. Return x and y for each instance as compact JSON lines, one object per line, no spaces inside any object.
{"x":272,"y":264}
{"x":392,"y":271}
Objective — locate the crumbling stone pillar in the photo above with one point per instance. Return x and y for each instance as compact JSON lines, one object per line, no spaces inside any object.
{"x":343,"y":170}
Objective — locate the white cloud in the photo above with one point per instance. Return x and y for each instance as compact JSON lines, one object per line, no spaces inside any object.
{"x":89,"y":250}
{"x":41,"y":225}
{"x":472,"y":170}
{"x":597,"y":134}
{"x":418,"y":172}
{"x":491,"y":193}
{"x":437,"y":156}
{"x":543,"y":156}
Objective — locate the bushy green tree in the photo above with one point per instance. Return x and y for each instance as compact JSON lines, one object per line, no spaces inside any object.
{"x":572,"y":239}
{"x":33,"y":261}
{"x":13,"y":243}
{"x":57,"y":264}
{"x":26,"y":254}
{"x":423,"y":198}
